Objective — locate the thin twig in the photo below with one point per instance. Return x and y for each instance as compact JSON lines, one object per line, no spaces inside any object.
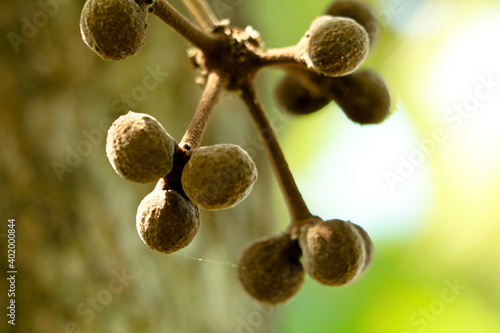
{"x":287,"y":56}
{"x":296,"y":206}
{"x":202,"y":14}
{"x":194,"y":134}
{"x":168,"y":14}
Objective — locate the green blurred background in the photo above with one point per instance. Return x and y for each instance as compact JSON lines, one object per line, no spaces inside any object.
{"x":425,"y":183}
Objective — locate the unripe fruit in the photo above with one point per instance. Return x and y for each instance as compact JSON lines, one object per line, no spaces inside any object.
{"x":219,"y":176}
{"x":270,"y":269}
{"x":363,"y":97}
{"x":114,"y":29}
{"x":333,"y":251}
{"x":166,"y":221}
{"x":297,"y":99}
{"x":359,"y":12}
{"x":139,"y":148}
{"x":337,"y":46}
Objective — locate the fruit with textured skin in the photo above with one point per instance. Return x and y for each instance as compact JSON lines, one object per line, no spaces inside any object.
{"x":139,"y":148}
{"x":359,"y":12}
{"x":295,"y":98}
{"x":166,"y":221}
{"x":114,"y":29}
{"x":218,"y":176}
{"x":270,"y":270}
{"x":363,"y":96}
{"x":337,"y":46}
{"x":333,"y":251}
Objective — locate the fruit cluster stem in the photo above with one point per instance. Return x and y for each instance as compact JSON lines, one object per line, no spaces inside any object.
{"x":168,"y":14}
{"x":286,"y":56}
{"x":194,"y":134}
{"x":202,"y":14}
{"x":210,"y":43}
{"x":296,"y":205}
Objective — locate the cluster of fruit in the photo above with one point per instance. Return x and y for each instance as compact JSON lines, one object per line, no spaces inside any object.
{"x":320,"y":68}
{"x":214,"y":177}
{"x":334,"y":253}
{"x":363,"y":95}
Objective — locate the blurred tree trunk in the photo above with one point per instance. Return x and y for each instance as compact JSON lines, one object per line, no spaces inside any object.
{"x":81,"y":265}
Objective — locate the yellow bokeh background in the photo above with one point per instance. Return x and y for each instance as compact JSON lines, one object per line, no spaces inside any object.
{"x":424,"y":183}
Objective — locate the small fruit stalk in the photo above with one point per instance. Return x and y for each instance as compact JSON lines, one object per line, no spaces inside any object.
{"x":188,"y":176}
{"x":333,"y":252}
{"x":323,"y":66}
{"x":140,"y":150}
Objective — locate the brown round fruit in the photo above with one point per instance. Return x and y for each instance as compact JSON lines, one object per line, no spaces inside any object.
{"x":359,"y":12}
{"x":114,"y":29}
{"x":139,"y":148}
{"x":218,"y":176}
{"x":333,"y":252}
{"x":363,"y":97}
{"x":166,"y":221}
{"x":337,"y":46}
{"x":270,"y":270}
{"x":297,"y":99}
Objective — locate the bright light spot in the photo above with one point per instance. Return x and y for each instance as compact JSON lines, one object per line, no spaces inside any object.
{"x":465,"y":85}
{"x":348,"y":180}
{"x":473,"y":51}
